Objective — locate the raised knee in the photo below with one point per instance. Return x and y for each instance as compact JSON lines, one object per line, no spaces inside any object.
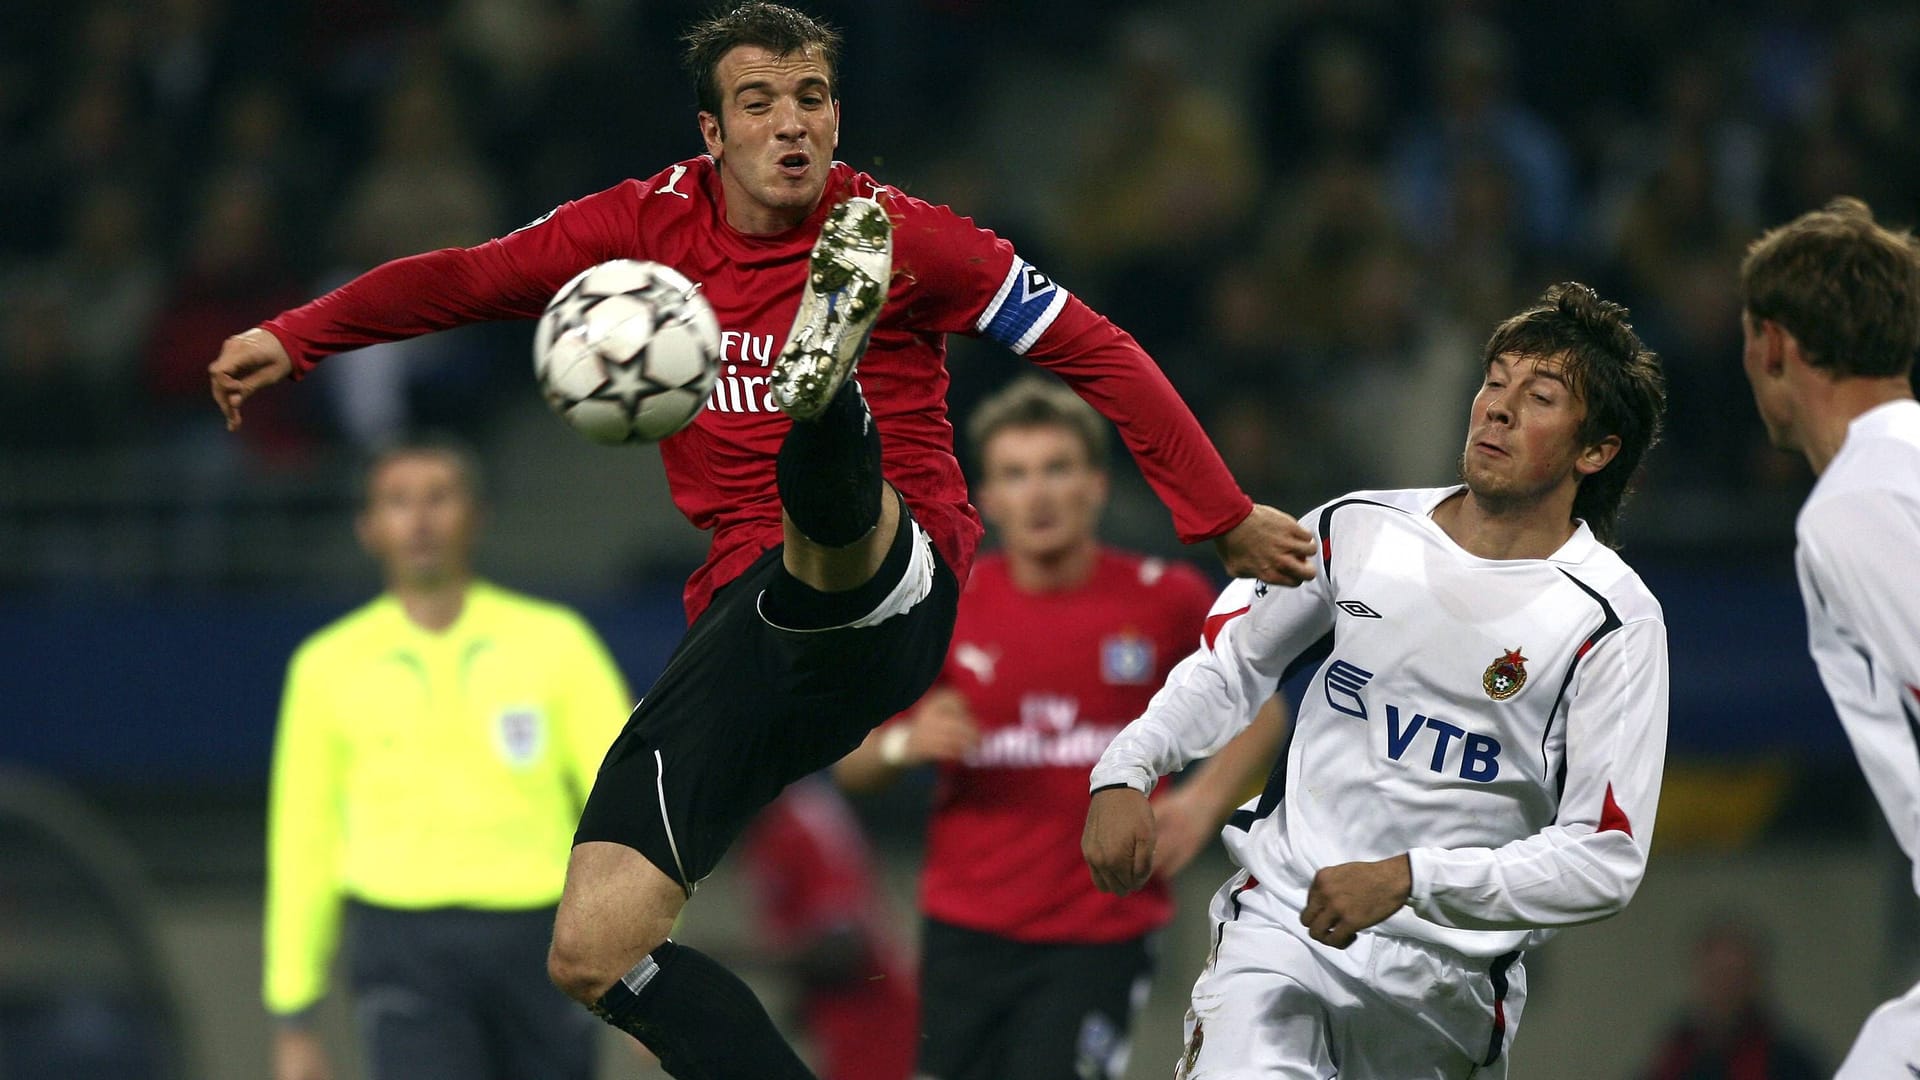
{"x":584,"y":972}
{"x":575,"y":972}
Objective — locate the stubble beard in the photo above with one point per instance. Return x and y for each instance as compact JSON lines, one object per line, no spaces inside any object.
{"x":1496,"y":499}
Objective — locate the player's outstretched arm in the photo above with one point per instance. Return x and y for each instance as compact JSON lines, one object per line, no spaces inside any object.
{"x":1118,"y":840}
{"x":1269,"y":545}
{"x":248,"y":363}
{"x":1187,"y":818}
{"x":939,"y":728}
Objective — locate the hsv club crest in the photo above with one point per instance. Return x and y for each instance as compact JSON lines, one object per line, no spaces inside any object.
{"x":1505,"y":676}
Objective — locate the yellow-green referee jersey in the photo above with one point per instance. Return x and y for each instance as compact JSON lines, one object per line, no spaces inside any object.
{"x":418,"y":770}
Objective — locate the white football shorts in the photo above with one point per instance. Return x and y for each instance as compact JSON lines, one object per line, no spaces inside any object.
{"x":1274,"y":1005}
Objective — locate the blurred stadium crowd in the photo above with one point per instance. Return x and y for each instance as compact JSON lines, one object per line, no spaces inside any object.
{"x":1309,"y":211}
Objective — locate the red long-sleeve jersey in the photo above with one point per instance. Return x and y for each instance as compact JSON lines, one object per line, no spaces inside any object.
{"x":1050,"y":679}
{"x":949,"y":276}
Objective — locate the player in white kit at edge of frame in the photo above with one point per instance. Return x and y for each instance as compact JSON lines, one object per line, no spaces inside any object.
{"x":1477,"y":759}
{"x":1830,"y":315}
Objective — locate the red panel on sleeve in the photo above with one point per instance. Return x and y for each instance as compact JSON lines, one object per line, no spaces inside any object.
{"x":1612,"y":818}
{"x":1217,"y":623}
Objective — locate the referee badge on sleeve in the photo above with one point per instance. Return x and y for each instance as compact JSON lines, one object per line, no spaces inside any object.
{"x":1505,"y":676}
{"x":521,"y":734}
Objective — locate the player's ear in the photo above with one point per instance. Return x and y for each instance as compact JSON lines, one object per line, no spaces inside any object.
{"x":836,"y":123}
{"x":1789,"y":351}
{"x":713,"y":133}
{"x":1596,"y":457}
{"x":1777,"y":343}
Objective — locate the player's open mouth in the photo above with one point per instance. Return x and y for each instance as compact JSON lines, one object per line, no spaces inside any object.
{"x":1489,"y":448}
{"x":793,"y":164}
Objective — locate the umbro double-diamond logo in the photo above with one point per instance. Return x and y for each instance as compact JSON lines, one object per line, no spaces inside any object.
{"x":1357,"y":609}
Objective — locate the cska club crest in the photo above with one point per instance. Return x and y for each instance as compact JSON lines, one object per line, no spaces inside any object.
{"x":1505,"y":676}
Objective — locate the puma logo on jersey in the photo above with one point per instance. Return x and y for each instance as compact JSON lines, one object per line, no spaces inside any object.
{"x":673,"y":183}
{"x":976,"y":660}
{"x":542,"y":219}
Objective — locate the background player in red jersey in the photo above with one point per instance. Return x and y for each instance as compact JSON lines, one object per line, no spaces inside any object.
{"x":841,"y":531}
{"x":821,"y":909}
{"x":1028,"y":972}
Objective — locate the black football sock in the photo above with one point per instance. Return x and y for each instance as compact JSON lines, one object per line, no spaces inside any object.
{"x":699,"y":1019}
{"x":828,"y":471}
{"x":795,"y":605}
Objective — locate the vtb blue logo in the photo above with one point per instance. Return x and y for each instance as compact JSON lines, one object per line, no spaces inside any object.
{"x":1479,"y":754}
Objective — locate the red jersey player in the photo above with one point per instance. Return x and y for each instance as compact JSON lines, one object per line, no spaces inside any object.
{"x":840,"y":532}
{"x":1028,"y":971}
{"x":822,"y":911}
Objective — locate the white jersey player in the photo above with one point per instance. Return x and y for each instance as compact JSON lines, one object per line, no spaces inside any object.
{"x":1832,"y":321}
{"x":1478,"y":756}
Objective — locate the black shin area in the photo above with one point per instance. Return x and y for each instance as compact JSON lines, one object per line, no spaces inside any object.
{"x":828,"y":471}
{"x":699,"y":1019}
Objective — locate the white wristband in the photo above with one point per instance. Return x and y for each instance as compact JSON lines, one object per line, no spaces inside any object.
{"x":893,"y":745}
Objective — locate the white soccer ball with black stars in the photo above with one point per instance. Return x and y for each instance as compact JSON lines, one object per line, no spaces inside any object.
{"x":627,"y":351}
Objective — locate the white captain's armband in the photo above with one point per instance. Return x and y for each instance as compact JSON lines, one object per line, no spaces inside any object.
{"x":1027,"y":303}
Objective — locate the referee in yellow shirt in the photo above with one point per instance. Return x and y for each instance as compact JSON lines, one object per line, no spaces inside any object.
{"x":435,"y":747}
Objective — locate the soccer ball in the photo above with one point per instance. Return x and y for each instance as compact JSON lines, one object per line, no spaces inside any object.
{"x":627,"y":351}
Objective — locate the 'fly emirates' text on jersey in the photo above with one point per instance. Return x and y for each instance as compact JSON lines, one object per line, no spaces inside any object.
{"x":1502,"y":721}
{"x":1859,"y":547}
{"x":1050,"y":679}
{"x":949,"y":276}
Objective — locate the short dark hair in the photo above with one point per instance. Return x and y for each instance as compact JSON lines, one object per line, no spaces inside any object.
{"x":780,"y":30}
{"x":466,"y":463}
{"x":1845,"y":287}
{"x":1617,"y":377}
{"x":1037,"y":401}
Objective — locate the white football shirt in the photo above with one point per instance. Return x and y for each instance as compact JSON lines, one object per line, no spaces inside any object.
{"x":1859,"y":566}
{"x":1502,"y":721}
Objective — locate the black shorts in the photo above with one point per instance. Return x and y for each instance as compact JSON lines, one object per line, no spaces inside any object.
{"x":992,"y":1008}
{"x":772,"y":682}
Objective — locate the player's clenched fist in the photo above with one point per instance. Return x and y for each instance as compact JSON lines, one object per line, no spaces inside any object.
{"x":1268,"y":545}
{"x":1118,"y":840}
{"x":247,"y":362}
{"x":1350,"y":897}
